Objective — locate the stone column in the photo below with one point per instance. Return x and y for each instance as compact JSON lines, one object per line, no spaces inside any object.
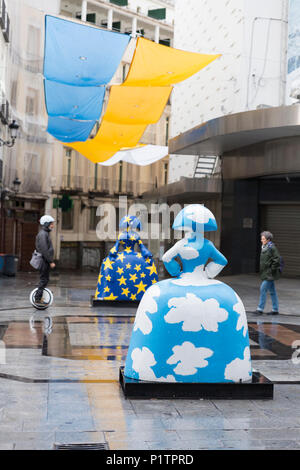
{"x":110,"y":19}
{"x":83,"y":10}
{"x":156,"y":36}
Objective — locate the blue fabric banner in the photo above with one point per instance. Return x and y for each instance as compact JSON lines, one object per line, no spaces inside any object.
{"x":79,"y":61}
{"x":78,"y":54}
{"x":74,"y":102}
{"x":69,"y":130}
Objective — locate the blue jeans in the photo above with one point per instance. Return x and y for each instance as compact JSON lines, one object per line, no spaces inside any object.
{"x":264,"y":288}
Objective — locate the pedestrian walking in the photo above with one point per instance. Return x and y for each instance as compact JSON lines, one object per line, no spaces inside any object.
{"x":43,"y":245}
{"x":269,"y":272}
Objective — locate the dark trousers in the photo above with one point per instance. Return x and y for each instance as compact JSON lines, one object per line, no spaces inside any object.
{"x":44,"y":279}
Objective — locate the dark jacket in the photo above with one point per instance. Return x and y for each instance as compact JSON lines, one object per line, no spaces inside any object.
{"x":43,"y":244}
{"x":269,"y":263}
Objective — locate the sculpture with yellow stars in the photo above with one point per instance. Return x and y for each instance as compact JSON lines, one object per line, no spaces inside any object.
{"x":121,"y":269}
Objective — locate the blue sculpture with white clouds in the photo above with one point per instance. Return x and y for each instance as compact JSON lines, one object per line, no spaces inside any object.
{"x":191,"y":328}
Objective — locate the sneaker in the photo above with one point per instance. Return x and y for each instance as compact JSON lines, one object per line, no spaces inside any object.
{"x":41,"y":302}
{"x":258,"y":312}
{"x":272,"y":313}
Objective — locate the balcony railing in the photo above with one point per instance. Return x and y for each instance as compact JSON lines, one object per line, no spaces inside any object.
{"x":71,"y":182}
{"x":104,"y":186}
{"x":100,"y":185}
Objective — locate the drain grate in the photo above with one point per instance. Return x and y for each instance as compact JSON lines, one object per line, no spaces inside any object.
{"x":82,"y":446}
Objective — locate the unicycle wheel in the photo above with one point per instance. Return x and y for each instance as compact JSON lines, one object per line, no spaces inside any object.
{"x":47,"y":299}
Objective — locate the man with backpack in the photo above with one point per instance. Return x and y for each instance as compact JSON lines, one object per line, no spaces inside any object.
{"x":270,"y":270}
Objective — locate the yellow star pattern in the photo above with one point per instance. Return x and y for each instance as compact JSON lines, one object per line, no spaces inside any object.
{"x":148,"y":260}
{"x":139,"y":255}
{"x":99,"y":278}
{"x":121,"y":257}
{"x":108,"y":278}
{"x":120,"y":270}
{"x":111,"y":297}
{"x":97,"y":293}
{"x":122,"y":281}
{"x":154,"y":281}
{"x":143,"y":275}
{"x":152,"y":269}
{"x":128,"y":250}
{"x":128,"y":266}
{"x":132,"y":238}
{"x":133,"y":297}
{"x":141,"y":287}
{"x":133,"y":277}
{"x":137,"y":267}
{"x":106,"y":289}
{"x":125,"y":291}
{"x":113,"y":250}
{"x":108,"y":264}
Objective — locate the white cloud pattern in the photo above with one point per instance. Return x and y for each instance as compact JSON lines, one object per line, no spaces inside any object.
{"x":196,"y":278}
{"x":199,"y":214}
{"x":195,"y":313}
{"x":239,"y":369}
{"x":189,"y":358}
{"x":142,"y":362}
{"x":147,"y":305}
{"x":242,"y":320}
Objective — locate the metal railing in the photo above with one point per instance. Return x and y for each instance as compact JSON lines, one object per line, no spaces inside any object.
{"x":98,"y":184}
{"x":72,"y":182}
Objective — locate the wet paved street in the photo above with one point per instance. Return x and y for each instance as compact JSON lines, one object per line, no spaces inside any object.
{"x":59,"y":376}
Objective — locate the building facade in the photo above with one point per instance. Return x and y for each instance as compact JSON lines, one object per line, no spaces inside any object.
{"x":52,"y":174}
{"x":245,"y":112}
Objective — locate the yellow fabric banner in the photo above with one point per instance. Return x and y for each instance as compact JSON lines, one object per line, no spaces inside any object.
{"x":157,"y":65}
{"x":109,"y":139}
{"x":136,"y":105}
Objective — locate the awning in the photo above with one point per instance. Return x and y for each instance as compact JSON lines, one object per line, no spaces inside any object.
{"x":224,"y":134}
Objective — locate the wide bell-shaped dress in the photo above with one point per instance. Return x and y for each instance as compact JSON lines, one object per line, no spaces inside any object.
{"x":190,"y":328}
{"x":125,"y":274}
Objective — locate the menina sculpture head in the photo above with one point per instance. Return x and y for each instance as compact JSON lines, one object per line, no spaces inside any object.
{"x":130,"y":222}
{"x":195,"y":218}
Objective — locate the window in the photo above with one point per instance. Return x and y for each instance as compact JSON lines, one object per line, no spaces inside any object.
{"x":158,"y":13}
{"x":121,"y":3}
{"x":165,"y":173}
{"x":67,"y":220}
{"x":31,"y":178}
{"x":33,"y":42}
{"x":167,"y":130}
{"x":96,"y":176}
{"x":13,"y":93}
{"x":93,"y":218}
{"x":68,"y":167}
{"x":32,"y":102}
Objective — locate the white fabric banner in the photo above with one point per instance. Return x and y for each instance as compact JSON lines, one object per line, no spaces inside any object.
{"x":138,"y":156}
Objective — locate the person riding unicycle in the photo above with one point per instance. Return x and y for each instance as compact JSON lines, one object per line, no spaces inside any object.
{"x":43,"y":245}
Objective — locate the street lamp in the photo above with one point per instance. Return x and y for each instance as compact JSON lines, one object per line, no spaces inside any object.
{"x":16,"y":184}
{"x":13,"y":131}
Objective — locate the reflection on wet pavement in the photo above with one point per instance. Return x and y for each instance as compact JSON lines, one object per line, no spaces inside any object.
{"x":102,"y":342}
{"x":60,"y":381}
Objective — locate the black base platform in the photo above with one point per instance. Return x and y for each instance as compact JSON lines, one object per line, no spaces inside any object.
{"x":114,"y":303}
{"x":260,"y":388}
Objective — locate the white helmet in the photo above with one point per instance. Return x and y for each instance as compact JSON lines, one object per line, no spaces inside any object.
{"x":46,"y":220}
